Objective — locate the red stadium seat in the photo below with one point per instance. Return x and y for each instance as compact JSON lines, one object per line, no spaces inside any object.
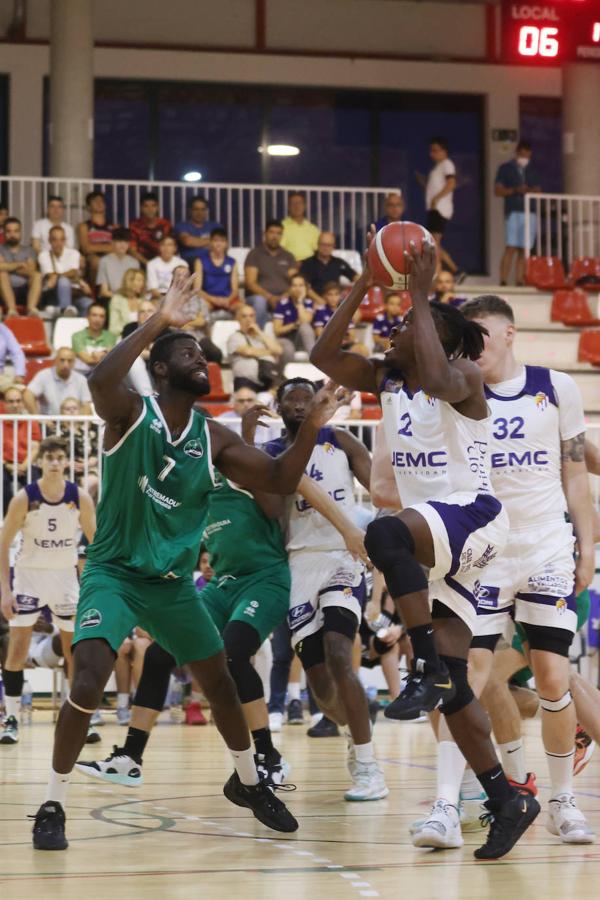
{"x":217,"y":393}
{"x":31,"y":335}
{"x":371,"y":412}
{"x":589,"y":347}
{"x":372,"y":304}
{"x":368,"y":399}
{"x":33,"y":366}
{"x":571,"y":307}
{"x":584,"y":266}
{"x":545,"y":273}
{"x":215,"y":409}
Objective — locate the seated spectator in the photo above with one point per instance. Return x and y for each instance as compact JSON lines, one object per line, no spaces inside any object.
{"x":93,"y":342}
{"x":55,"y":215}
{"x":19,"y":279}
{"x":292,"y":320}
{"x":444,"y":289}
{"x":114,"y":266}
{"x":393,"y":210}
{"x":95,"y":235}
{"x":324,"y":267}
{"x":146,"y":309}
{"x":128,"y":670}
{"x":85,"y":446}
{"x":159,"y":272}
{"x":253,"y":354}
{"x":139,"y":377}
{"x":300,"y":236}
{"x":3,"y":218}
{"x":267,"y":272}
{"x":28,"y":437}
{"x":193,"y":235}
{"x":199,"y":327}
{"x":218,"y":275}
{"x":385,"y":321}
{"x":51,"y":386}
{"x":63,"y":287}
{"x":351,"y":409}
{"x":148,"y":229}
{"x":332,"y":296}
{"x":125,"y":303}
{"x":244,"y":398}
{"x":12,"y":350}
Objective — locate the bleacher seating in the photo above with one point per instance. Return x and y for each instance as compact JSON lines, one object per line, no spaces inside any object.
{"x":571,"y":307}
{"x":31,"y":334}
{"x":33,"y":366}
{"x":371,"y":304}
{"x":589,"y":347}
{"x":545,"y":273}
{"x":583,"y":267}
{"x":65,"y":328}
{"x":220,"y":333}
{"x":217,"y":392}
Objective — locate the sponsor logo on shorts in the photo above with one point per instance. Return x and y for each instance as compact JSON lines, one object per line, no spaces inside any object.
{"x":486,"y":557}
{"x":299,"y":615}
{"x":156,"y":496}
{"x":347,"y":592}
{"x":549,"y":583}
{"x":27,"y":603}
{"x":90,"y":619}
{"x":194,"y":448}
{"x":488,"y":596}
{"x":254,"y":604}
{"x":249,"y":611}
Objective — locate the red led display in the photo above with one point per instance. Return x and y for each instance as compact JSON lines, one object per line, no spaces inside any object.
{"x":551,"y":33}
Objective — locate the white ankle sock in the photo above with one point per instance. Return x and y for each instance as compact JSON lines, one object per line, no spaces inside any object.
{"x":561,"y":772}
{"x":470,"y":788}
{"x":364,"y":752}
{"x":245,"y":766}
{"x":57,"y":787}
{"x":513,"y":760}
{"x":450,"y":769}
{"x":13,"y":705}
{"x":294,"y":690}
{"x":122,"y":700}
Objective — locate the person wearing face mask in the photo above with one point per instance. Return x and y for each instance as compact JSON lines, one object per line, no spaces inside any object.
{"x":514,"y":179}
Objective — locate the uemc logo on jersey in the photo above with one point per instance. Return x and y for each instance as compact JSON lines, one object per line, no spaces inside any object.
{"x":422,"y":460}
{"x":520,"y":459}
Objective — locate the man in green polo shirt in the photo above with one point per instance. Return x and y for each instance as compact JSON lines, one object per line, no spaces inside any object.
{"x":91,"y":344}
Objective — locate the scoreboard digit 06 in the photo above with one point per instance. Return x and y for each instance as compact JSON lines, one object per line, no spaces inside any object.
{"x":551,"y":33}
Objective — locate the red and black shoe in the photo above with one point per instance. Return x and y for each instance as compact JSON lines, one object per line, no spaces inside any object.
{"x":528,"y":787}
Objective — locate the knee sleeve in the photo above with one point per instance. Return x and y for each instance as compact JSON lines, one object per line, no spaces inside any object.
{"x":241,"y":642}
{"x":485,"y":642}
{"x":557,"y":705}
{"x":341,"y":620}
{"x":153,"y":688}
{"x":550,"y":639}
{"x":458,"y":670}
{"x":391,"y":548}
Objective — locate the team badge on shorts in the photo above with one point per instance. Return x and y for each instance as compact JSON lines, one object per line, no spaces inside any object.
{"x":194,"y":449}
{"x":90,"y":619}
{"x":561,"y":605}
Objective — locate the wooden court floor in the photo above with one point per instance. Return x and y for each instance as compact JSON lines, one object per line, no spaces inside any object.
{"x":177,"y":836}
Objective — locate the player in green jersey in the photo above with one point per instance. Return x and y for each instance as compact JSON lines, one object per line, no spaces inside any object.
{"x":159,"y":456}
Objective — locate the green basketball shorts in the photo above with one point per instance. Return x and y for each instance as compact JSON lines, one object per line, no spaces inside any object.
{"x":260,"y":600}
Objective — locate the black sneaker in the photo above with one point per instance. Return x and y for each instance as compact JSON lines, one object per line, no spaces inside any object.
{"x":49,"y":827}
{"x":324,"y":728}
{"x":295,"y":713}
{"x":92,"y":736}
{"x":272,"y":767}
{"x":422,"y":693}
{"x":267,"y":808}
{"x":507,"y":821}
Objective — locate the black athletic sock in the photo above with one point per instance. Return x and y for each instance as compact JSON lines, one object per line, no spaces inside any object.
{"x":135,"y":743}
{"x":496,"y":784}
{"x":262,"y":741}
{"x":424,"y":646}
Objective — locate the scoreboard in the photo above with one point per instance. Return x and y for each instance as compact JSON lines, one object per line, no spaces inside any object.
{"x":551,"y":33}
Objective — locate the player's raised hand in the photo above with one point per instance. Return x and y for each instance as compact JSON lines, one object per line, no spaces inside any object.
{"x":422,"y":268}
{"x":326,"y":403}
{"x":367,"y":275}
{"x":175,"y":307}
{"x":252,"y":419}
{"x":354,"y":539}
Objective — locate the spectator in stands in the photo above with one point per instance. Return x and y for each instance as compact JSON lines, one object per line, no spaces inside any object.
{"x":268,"y":272}
{"x":93,"y":342}
{"x":114,"y":265}
{"x":393,"y":210}
{"x":128,"y":670}
{"x":159,"y":272}
{"x":194,"y":234}
{"x":244,"y":398}
{"x":390,"y":318}
{"x":323,"y":267}
{"x":19,"y":278}
{"x":252,"y":353}
{"x":204,"y":568}
{"x":27,"y":443}
{"x":146,"y":309}
{"x":148,"y":229}
{"x":332,"y":295}
{"x":515,"y":179}
{"x":292,"y":320}
{"x":51,"y":386}
{"x":12,"y":350}
{"x":139,"y":376}
{"x":63,"y":288}
{"x":85,"y":445}
{"x":218,"y":275}
{"x":299,"y":235}
{"x":445,"y":289}
{"x":55,"y":215}
{"x":95,"y":235}
{"x":125,"y":303}
{"x":3,"y":218}
{"x":439,"y":192}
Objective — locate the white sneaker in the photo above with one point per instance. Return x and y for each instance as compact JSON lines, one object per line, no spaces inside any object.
{"x":442,"y":828}
{"x":568,"y":822}
{"x":117,"y":769}
{"x":96,"y":719}
{"x":123,"y":715}
{"x":471,"y":810}
{"x":275,"y":722}
{"x":369,"y":783}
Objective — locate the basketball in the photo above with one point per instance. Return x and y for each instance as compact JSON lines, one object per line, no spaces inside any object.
{"x":386,"y":253}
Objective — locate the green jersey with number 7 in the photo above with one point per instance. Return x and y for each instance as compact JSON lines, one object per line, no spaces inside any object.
{"x":154,"y":492}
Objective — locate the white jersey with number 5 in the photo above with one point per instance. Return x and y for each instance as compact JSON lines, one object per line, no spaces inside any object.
{"x":531,"y":415}
{"x":50,"y":531}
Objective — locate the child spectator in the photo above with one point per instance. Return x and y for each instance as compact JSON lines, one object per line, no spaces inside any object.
{"x":292,"y":320}
{"x":385,"y":321}
{"x":218,"y":275}
{"x":160,"y":269}
{"x":148,"y":229}
{"x":332,"y":295}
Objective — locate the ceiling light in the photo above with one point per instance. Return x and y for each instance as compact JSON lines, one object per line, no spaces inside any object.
{"x":192,"y":176}
{"x":280,"y":150}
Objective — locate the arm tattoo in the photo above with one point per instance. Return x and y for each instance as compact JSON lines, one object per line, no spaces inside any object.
{"x":573,"y":450}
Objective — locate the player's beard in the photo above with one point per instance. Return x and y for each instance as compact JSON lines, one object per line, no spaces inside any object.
{"x":183,"y":382}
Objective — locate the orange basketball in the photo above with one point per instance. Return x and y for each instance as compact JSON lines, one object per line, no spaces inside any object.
{"x":386,"y":253}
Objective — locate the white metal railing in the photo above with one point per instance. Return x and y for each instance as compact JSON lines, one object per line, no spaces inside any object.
{"x":568,"y":226}
{"x":243,"y":209}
